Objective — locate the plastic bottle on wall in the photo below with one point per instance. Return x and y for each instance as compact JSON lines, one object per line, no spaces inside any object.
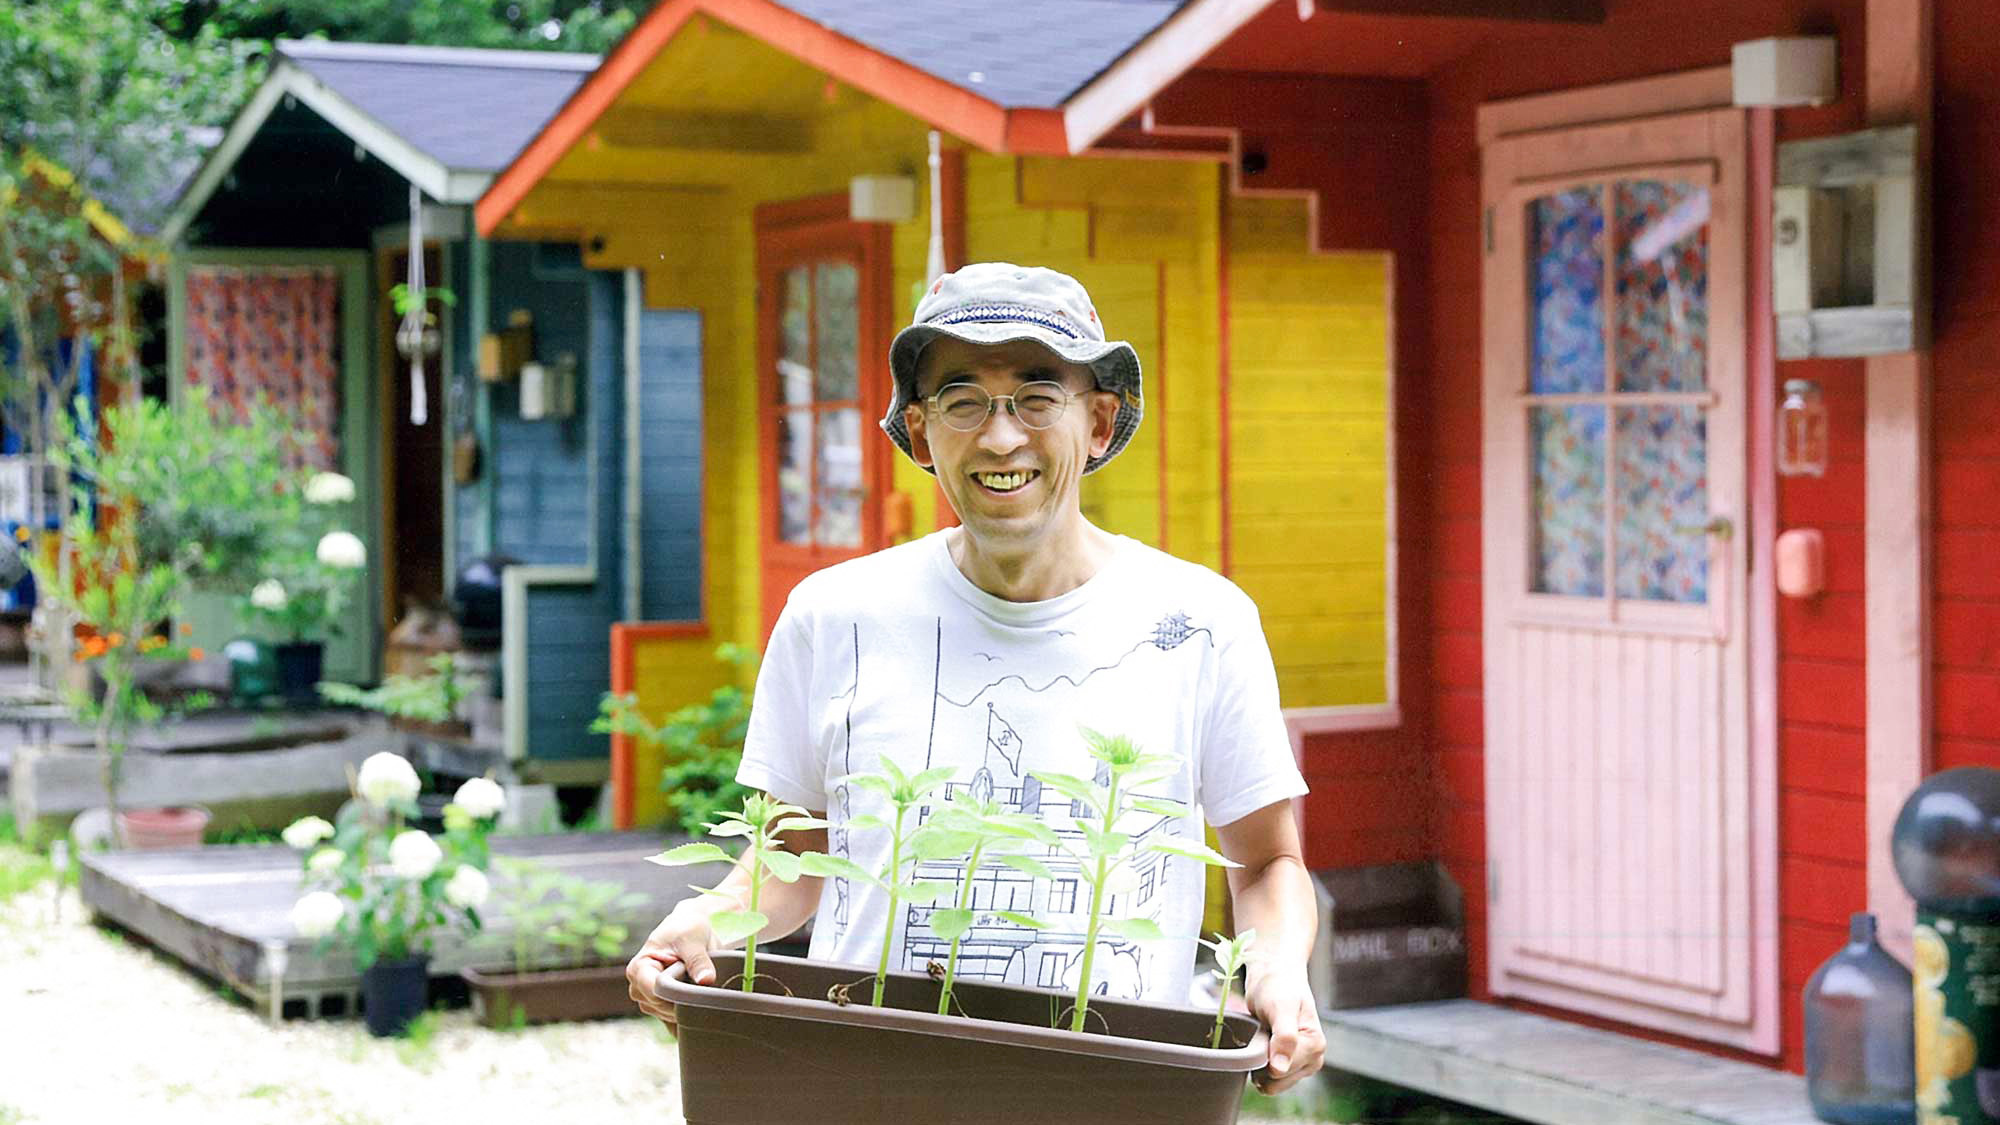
{"x":1860,"y":1044}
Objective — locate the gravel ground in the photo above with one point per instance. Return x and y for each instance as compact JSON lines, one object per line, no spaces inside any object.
{"x":95,"y":1027}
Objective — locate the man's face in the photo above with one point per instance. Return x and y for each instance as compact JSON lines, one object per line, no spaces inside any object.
{"x":1007,"y":482}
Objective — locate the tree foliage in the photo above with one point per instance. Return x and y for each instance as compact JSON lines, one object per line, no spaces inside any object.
{"x":564,"y":25}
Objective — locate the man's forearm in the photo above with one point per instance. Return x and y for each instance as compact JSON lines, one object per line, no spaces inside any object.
{"x":1278,"y":902}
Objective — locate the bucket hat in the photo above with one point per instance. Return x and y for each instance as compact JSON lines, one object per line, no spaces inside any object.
{"x":999,"y":302}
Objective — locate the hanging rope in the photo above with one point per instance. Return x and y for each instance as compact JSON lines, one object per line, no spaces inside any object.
{"x":413,"y":319}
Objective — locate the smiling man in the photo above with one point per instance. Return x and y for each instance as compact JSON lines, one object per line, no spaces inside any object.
{"x":988,"y":646}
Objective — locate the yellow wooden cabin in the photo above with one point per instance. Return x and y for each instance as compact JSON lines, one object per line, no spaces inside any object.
{"x":723,"y":152}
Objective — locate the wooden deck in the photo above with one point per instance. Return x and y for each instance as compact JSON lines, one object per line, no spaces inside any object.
{"x":1545,"y":1070}
{"x":222,"y":909}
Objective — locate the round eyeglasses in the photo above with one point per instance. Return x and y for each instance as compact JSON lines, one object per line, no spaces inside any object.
{"x":967,"y":406}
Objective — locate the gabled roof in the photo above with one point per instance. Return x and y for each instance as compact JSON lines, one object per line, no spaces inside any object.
{"x":1028,"y":76}
{"x":445,"y":118}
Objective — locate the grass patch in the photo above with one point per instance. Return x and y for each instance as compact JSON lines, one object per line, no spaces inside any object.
{"x":243,"y":832}
{"x":22,"y":867}
{"x":416,"y":1047}
{"x":267,"y":1090}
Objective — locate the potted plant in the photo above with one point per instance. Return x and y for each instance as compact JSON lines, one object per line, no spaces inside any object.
{"x":1013,"y":1053}
{"x":384,"y":889}
{"x":118,"y":578}
{"x":426,"y":704}
{"x":306,"y":574}
{"x":418,"y":331}
{"x":566,"y":949}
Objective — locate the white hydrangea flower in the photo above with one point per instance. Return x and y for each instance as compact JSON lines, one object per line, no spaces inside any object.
{"x":325,"y":860}
{"x":316,"y":914}
{"x":269,"y":594}
{"x":480,"y":797}
{"x":387,"y":777}
{"x":342,"y":549}
{"x":329,"y":488}
{"x":467,"y":888}
{"x":307,"y":831}
{"x":414,"y":855}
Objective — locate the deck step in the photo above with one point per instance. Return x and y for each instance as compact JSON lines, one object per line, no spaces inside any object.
{"x":1553,"y":1072}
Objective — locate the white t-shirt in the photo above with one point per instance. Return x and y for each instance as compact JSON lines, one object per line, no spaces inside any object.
{"x":897,"y":653}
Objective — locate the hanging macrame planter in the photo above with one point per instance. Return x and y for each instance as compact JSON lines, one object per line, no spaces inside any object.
{"x":417,"y":337}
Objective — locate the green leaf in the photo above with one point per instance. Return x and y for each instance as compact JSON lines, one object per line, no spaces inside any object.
{"x":825,"y":866}
{"x":799,"y":824}
{"x":932,"y":778}
{"x":1137,"y":929}
{"x":928,"y":891}
{"x":1188,"y":849}
{"x":950,"y":923}
{"x":717,"y":892}
{"x":730,"y":828}
{"x":1073,"y":787}
{"x":1028,"y":864}
{"x":871,"y":782}
{"x":1104,"y":845}
{"x":732,"y":926}
{"x":1018,"y":919}
{"x":783,"y":864}
{"x":864,"y":822}
{"x":690,"y":853}
{"x":1160,"y":805}
{"x":942,"y":844}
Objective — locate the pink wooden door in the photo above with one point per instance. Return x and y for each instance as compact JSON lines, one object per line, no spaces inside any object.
{"x":1617,"y":717}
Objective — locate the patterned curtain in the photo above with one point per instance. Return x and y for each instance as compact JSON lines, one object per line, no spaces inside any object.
{"x":274,"y":333}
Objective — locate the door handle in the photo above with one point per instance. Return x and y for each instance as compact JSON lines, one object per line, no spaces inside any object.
{"x":1722,"y":527}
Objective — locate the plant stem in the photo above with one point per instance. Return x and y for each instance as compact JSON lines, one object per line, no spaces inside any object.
{"x":895,"y":900}
{"x":964,"y":901}
{"x":1096,"y":911}
{"x":756,"y":889}
{"x":1215,"y":1040}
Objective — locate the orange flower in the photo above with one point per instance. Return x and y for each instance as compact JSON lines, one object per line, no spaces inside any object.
{"x":115,"y":640}
{"x":22,"y":534}
{"x":186,"y":628}
{"x":194,"y":654}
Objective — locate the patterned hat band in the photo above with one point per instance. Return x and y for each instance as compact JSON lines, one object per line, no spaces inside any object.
{"x":993,"y":313}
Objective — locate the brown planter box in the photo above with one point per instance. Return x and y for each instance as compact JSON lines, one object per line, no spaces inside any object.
{"x":554,"y":996}
{"x":769,"y":1056}
{"x":452,"y":730}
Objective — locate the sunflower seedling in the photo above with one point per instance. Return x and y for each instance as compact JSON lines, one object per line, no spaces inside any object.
{"x":1231,"y":954}
{"x":1105,"y":852}
{"x":760,"y":822}
{"x":904,"y":792}
{"x":977,"y":828}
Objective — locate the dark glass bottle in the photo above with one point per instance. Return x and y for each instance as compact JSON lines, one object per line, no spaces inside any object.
{"x":1860,"y":1038}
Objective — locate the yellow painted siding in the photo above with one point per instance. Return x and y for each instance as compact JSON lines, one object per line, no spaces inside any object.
{"x":1309,"y":430}
{"x":1309,"y":363}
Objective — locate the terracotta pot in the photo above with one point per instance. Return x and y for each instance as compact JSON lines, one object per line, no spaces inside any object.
{"x":178,"y":827}
{"x":786,"y":1052}
{"x":551,"y":996}
{"x":393,"y":994}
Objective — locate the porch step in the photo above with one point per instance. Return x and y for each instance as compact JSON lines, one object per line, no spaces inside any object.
{"x":1546,"y":1070}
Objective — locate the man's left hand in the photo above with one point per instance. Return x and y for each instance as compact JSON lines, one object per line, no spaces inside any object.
{"x":1281,"y":998}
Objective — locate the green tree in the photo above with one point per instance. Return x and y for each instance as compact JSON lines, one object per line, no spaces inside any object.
{"x":562,"y":25}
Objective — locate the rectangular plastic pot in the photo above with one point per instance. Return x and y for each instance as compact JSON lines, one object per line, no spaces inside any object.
{"x":788,"y":1053}
{"x":552,"y":996}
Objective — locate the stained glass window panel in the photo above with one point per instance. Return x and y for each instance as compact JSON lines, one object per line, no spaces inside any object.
{"x":1662,"y":278}
{"x":1662,"y":495}
{"x":1566,"y":469}
{"x":839,"y":469}
{"x":838,"y":321}
{"x":795,"y":456}
{"x":1566,"y":292}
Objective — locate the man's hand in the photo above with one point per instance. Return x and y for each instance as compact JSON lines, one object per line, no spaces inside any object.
{"x":1281,"y":998}
{"x":682,"y":937}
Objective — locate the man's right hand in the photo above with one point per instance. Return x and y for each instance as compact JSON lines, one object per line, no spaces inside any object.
{"x":682,"y":937}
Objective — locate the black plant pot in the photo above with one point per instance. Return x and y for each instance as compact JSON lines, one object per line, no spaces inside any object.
{"x":393,"y":994}
{"x":300,"y":664}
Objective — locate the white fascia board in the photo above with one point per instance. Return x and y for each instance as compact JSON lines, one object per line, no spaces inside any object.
{"x":430,"y":176}
{"x":409,"y":54}
{"x":1164,"y":55}
{"x":223,"y":157}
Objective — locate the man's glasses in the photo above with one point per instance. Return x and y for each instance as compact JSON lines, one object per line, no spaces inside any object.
{"x":967,"y":406}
